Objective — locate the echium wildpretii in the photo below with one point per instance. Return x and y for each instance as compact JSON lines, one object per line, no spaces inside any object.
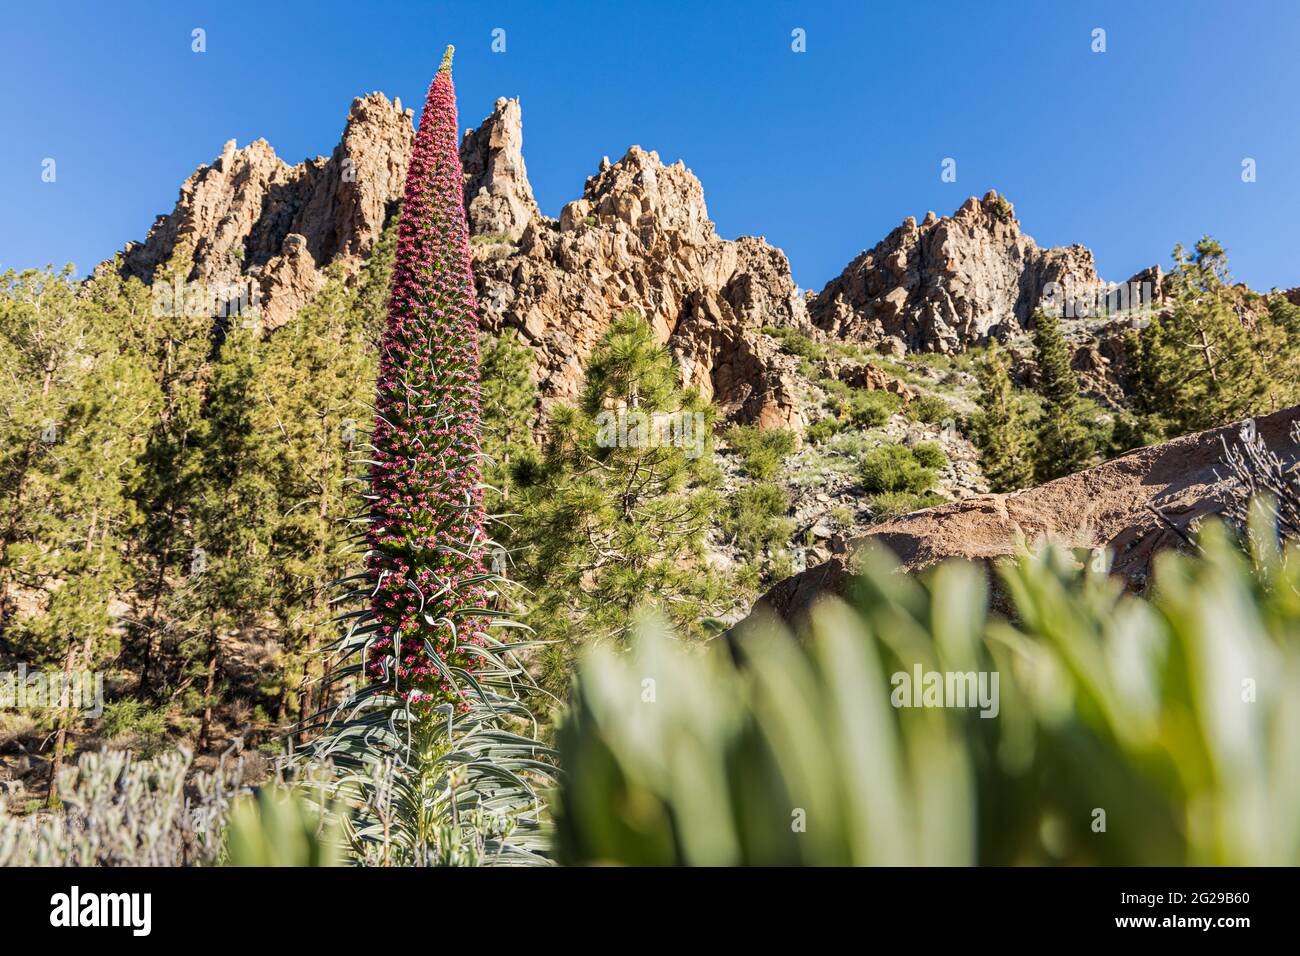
{"x":426,"y":519}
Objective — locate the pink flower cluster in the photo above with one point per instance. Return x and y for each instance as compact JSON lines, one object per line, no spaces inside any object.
{"x":426,"y":507}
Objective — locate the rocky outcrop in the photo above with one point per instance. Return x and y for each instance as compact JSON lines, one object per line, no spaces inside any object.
{"x":872,"y":378}
{"x":1135,"y":506}
{"x":951,"y":282}
{"x":639,"y":238}
{"x":251,"y":219}
{"x":498,"y":197}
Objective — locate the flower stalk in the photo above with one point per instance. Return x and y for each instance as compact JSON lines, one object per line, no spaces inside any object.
{"x":426,"y":532}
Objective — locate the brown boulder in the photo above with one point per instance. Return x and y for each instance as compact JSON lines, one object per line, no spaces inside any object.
{"x":873,"y":378}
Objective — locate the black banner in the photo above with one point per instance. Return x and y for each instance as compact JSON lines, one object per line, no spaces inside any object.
{"x":131,"y":907}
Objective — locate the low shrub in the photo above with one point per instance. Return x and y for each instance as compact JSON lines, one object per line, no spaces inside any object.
{"x":892,"y":468}
{"x":123,"y":718}
{"x":930,"y":409}
{"x":491,"y":239}
{"x":930,"y":455}
{"x":119,"y":811}
{"x":823,"y":429}
{"x":755,"y":519}
{"x":870,"y":409}
{"x":761,"y":451}
{"x":795,"y":342}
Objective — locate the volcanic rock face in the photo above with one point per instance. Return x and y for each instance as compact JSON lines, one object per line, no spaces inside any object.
{"x":498,"y":198}
{"x":638,"y":239}
{"x":251,"y":218}
{"x":949,"y":282}
{"x":1134,"y":505}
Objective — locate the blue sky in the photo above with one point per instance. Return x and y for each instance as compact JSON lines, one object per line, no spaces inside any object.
{"x":822,"y":152}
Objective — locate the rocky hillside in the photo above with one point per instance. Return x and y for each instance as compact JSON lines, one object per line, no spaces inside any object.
{"x":950,"y":282}
{"x":251,"y":218}
{"x":639,"y":237}
{"x":1134,"y":505}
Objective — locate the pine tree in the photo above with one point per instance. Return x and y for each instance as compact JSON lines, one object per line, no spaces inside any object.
{"x":510,"y":401}
{"x":1148,"y":393}
{"x":1280,"y":342}
{"x":312,"y":393}
{"x":173,"y":338}
{"x":67,"y":540}
{"x":1063,"y":442}
{"x":615,"y":523}
{"x":1199,"y":365}
{"x":42,"y":343}
{"x":226,"y":478}
{"x":376,"y":279}
{"x":999,"y":428}
{"x":87,"y":521}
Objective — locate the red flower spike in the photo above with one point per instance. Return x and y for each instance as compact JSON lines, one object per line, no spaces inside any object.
{"x":427,"y":426}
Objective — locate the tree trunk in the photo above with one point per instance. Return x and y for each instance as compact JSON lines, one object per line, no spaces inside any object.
{"x":282,"y":698}
{"x":147,"y":665}
{"x":1208,"y":352}
{"x":6,"y":606}
{"x":61,"y":738}
{"x":307,"y":701}
{"x":209,"y":688}
{"x":65,"y":704}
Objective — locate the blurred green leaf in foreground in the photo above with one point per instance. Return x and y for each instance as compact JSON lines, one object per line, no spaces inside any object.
{"x":1126,"y":730}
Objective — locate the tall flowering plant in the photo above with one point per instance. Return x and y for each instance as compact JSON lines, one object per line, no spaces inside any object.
{"x":428,"y":739}
{"x":426,"y":530}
